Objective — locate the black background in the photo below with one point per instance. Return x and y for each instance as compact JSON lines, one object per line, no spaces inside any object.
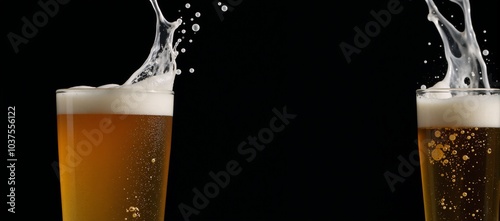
{"x":354,"y":121}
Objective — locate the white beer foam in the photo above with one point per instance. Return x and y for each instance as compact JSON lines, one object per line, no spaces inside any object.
{"x":146,"y":98}
{"x":459,"y":111}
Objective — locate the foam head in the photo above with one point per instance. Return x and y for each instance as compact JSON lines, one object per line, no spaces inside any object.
{"x":114,"y":100}
{"x":458,"y":108}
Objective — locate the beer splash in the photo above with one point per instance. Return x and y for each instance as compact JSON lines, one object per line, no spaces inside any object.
{"x":161,"y":62}
{"x":466,"y":67}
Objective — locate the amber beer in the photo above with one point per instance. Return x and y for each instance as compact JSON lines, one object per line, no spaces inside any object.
{"x":114,"y":150}
{"x":459,"y":146}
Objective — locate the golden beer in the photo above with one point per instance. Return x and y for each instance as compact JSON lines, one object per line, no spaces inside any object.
{"x":459,"y":147}
{"x":461,"y":172}
{"x":114,"y":150}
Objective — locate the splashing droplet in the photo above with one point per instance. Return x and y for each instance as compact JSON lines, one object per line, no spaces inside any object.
{"x":460,"y":48}
{"x":161,"y":59}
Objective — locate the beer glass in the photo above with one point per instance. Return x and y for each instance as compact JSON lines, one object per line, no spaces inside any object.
{"x":459,"y":147}
{"x":114,"y":150}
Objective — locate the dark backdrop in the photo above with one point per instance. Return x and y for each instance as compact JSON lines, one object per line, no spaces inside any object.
{"x":347,"y":150}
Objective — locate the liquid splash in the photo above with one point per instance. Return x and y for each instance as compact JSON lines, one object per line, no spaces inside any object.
{"x":161,"y":61}
{"x":466,"y":67}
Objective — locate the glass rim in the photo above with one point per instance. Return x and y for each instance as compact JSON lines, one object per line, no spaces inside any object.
{"x":100,"y":89}
{"x":447,"y":90}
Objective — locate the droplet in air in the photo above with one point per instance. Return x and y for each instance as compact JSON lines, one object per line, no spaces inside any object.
{"x":196,"y":27}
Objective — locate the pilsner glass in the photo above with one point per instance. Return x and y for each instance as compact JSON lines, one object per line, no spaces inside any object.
{"x":459,"y":146}
{"x":114,"y":151}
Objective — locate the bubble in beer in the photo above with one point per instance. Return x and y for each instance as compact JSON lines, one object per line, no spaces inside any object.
{"x":437,"y":154}
{"x":439,"y":146}
{"x":153,"y":160}
{"x":453,"y":137}
{"x":134,"y":212}
{"x":465,"y":157}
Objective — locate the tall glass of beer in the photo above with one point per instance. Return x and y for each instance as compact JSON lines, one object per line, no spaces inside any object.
{"x":114,"y":150}
{"x":459,"y":147}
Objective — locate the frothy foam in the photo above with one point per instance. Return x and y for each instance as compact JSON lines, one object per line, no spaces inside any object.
{"x":463,"y":111}
{"x":115,"y":101}
{"x":466,"y":69}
